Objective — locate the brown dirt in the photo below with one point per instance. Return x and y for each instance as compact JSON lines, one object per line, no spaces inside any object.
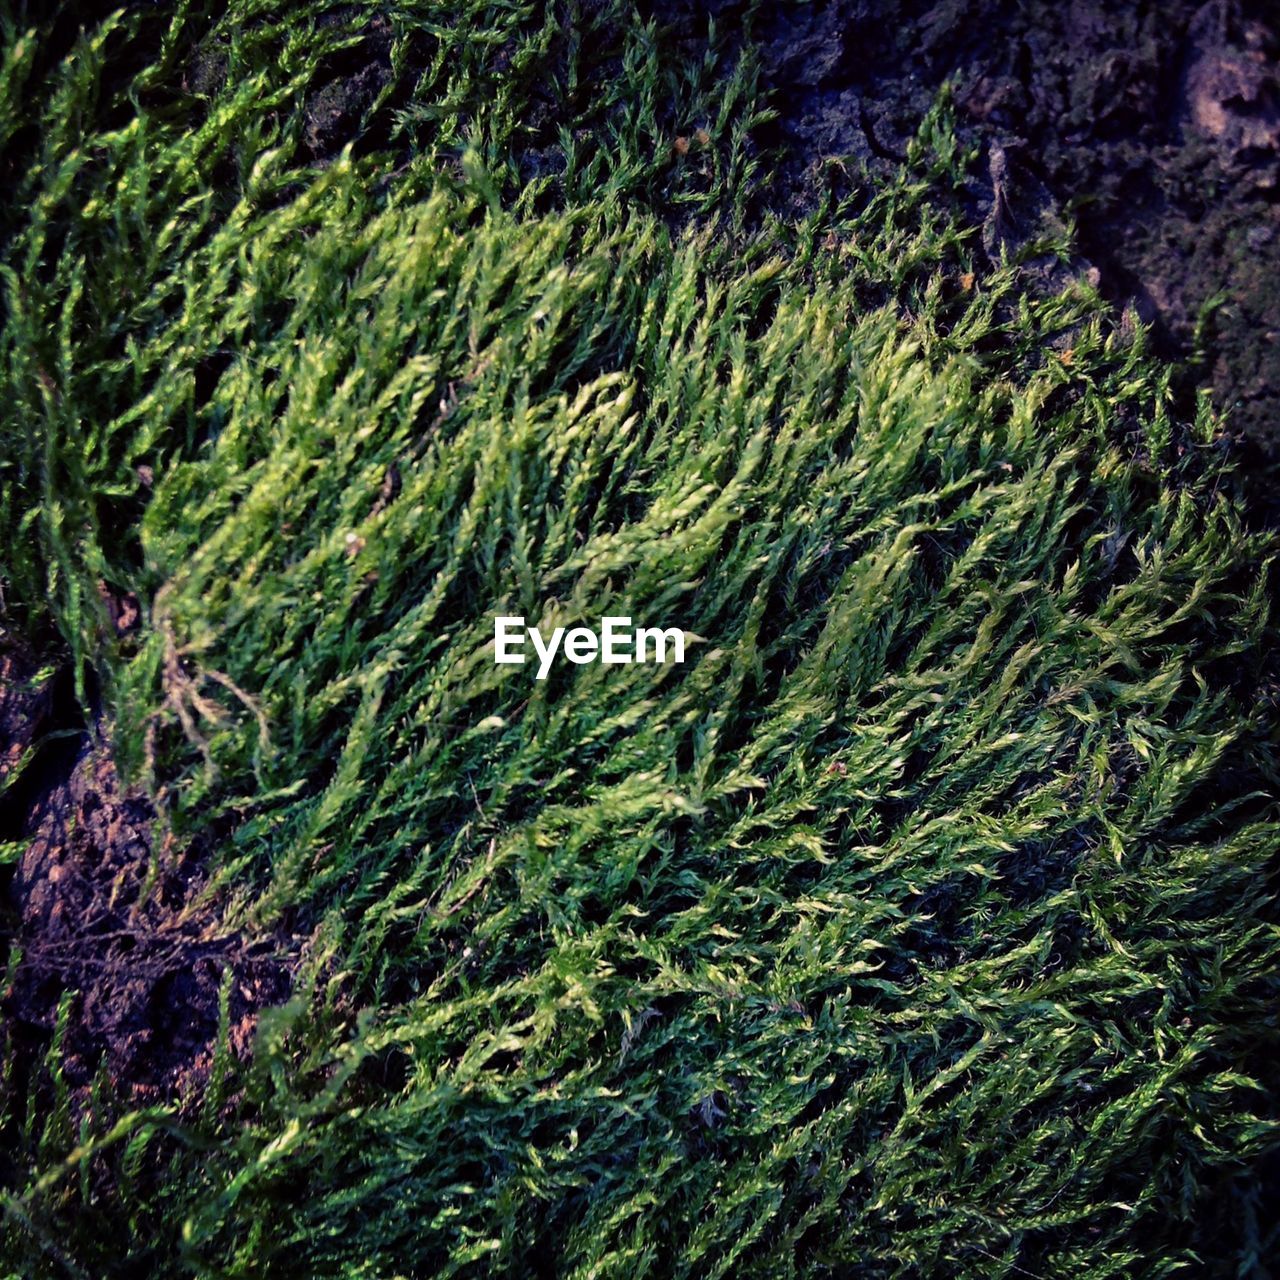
{"x":97,"y":911}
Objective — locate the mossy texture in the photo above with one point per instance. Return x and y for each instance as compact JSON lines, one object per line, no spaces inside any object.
{"x":919,"y":924}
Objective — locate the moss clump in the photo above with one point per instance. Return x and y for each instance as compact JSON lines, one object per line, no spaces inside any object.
{"x":920,"y":923}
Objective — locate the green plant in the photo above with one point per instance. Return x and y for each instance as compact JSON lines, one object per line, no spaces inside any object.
{"x":919,"y":924}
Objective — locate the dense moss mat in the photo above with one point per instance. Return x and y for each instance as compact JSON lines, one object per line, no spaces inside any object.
{"x":921,"y":923}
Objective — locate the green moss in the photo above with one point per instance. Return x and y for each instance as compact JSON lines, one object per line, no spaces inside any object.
{"x":919,"y":924}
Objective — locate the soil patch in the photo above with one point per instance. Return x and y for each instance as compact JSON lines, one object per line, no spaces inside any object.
{"x":98,"y":912}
